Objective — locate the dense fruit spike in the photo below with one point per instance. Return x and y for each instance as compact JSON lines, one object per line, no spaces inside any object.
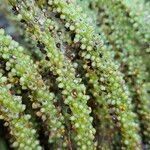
{"x":93,"y":50}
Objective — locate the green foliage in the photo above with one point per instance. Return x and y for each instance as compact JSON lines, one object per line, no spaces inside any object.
{"x":76,"y":76}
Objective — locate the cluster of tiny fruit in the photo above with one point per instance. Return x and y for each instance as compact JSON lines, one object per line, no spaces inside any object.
{"x":74,"y":81}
